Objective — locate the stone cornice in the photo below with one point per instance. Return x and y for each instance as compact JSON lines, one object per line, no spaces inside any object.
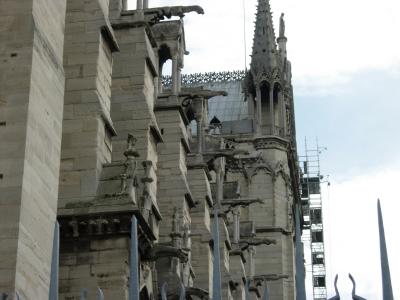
{"x":103,"y":225}
{"x":270,"y":142}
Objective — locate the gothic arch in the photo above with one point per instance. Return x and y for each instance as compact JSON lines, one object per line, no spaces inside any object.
{"x":262,"y":167}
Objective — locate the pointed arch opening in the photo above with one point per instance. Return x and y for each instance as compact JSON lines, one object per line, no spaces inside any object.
{"x":279,"y":110}
{"x":265,"y":107}
{"x":164,"y":62}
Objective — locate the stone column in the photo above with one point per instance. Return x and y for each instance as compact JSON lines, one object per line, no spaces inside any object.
{"x":258,"y":109}
{"x":139,"y":5}
{"x":145,"y":4}
{"x":282,"y":113}
{"x":271,"y":109}
{"x":198,"y":104}
{"x":219,"y":181}
{"x":236,"y":225}
{"x":160,"y":86}
{"x":252,"y":252}
{"x":174,"y":75}
{"x":179,"y":78}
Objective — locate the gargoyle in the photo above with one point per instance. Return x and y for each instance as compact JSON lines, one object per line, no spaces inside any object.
{"x":160,"y":251}
{"x":160,"y":13}
{"x":259,"y":279}
{"x":245,"y":244}
{"x":199,"y":93}
{"x":239,"y":202}
{"x":211,"y":156}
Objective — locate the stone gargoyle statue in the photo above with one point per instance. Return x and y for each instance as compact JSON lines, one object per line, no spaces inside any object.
{"x":246,"y":243}
{"x":160,"y":251}
{"x":160,"y":13}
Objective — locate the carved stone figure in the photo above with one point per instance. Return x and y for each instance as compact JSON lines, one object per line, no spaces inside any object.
{"x":282,"y":26}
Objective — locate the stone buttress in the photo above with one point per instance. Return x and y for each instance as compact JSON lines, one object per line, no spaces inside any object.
{"x":31,"y":106}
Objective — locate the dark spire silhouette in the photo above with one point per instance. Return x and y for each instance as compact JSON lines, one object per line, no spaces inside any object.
{"x":387,"y":291}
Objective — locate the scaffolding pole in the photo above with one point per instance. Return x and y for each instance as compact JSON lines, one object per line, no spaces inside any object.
{"x":313,"y":229}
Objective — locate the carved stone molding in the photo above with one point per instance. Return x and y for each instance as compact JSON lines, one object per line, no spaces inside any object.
{"x":100,"y":226}
{"x":270,"y":142}
{"x":252,"y":165}
{"x":269,"y":75}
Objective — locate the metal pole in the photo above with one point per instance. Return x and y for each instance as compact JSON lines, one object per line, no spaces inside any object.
{"x":53,"y":291}
{"x":164,"y":291}
{"x":84,"y":294}
{"x":134,"y":276}
{"x":266,"y":293}
{"x":182,"y":295}
{"x":217,"y":259}
{"x":100,"y":294}
{"x":247,"y":291}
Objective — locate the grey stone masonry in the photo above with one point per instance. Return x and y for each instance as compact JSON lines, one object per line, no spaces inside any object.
{"x":87,"y":125}
{"x":31,"y":106}
{"x":200,"y":226}
{"x":90,"y":137}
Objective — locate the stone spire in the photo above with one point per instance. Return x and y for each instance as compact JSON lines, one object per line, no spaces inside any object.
{"x":264,"y":55}
{"x":386,"y":281}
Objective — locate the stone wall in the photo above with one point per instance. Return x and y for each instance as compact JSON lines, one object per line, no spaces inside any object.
{"x":31,"y":106}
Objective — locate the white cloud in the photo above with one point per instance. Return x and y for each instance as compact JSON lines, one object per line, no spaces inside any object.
{"x":325,"y":38}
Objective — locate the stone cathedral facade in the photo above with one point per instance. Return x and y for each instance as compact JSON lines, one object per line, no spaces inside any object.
{"x":92,"y":133}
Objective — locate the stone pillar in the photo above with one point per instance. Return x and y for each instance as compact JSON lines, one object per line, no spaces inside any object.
{"x":271,"y":109}
{"x":282,"y":110}
{"x":252,"y":253}
{"x":139,"y":5}
{"x":258,"y":109}
{"x":160,"y":86}
{"x":219,"y":181}
{"x":145,"y":4}
{"x":199,"y":120}
{"x":31,"y":109}
{"x":175,"y":75}
{"x":236,"y":225}
{"x":179,"y":78}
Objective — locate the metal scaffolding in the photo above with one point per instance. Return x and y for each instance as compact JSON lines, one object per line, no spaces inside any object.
{"x":313,"y":230}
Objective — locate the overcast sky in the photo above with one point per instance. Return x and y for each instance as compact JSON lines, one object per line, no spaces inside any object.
{"x":345,"y":58}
